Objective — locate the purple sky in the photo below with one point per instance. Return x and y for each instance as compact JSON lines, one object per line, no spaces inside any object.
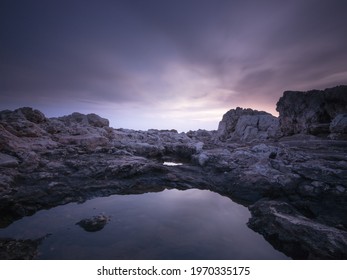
{"x":167,"y":64}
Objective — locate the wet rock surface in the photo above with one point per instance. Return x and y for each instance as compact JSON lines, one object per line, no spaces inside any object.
{"x":93,"y":224}
{"x":280,"y":223}
{"x":48,"y":162}
{"x":12,"y":249}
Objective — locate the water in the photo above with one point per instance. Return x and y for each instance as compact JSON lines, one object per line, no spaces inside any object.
{"x":170,"y":163}
{"x":172,"y":224}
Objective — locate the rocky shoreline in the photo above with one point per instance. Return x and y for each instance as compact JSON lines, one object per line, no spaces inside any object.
{"x":290,"y":171}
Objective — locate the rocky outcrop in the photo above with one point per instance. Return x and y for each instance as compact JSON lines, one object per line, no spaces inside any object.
{"x":313,"y":112}
{"x":59,"y":160}
{"x":281,"y":224}
{"x":338,"y":127}
{"x":247,"y":125}
{"x":12,"y":249}
{"x":92,"y":120}
{"x":296,"y":182}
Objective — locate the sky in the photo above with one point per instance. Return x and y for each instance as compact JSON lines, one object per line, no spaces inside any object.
{"x":167,"y":64}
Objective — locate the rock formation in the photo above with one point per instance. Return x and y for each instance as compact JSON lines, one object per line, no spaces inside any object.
{"x":247,"y":125}
{"x":295,"y":186}
{"x":13,"y":249}
{"x":95,"y":223}
{"x":316,"y":112}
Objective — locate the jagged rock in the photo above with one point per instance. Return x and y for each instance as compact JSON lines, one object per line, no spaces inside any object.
{"x":156,"y":143}
{"x":97,"y":121}
{"x":23,"y":122}
{"x":88,"y":142}
{"x":338,"y":127}
{"x":8,"y":161}
{"x":129,"y":167}
{"x":311,"y":112}
{"x":32,"y":115}
{"x":22,"y":249}
{"x":296,"y":235}
{"x":45,"y":162}
{"x":247,"y":125}
{"x":85,"y":120}
{"x":208,"y":138}
{"x":339,"y":124}
{"x":27,"y":113}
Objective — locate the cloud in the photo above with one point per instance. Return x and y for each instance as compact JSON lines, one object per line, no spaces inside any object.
{"x":191,"y":58}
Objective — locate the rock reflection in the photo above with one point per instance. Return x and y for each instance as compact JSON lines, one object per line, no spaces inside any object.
{"x":171,"y":224}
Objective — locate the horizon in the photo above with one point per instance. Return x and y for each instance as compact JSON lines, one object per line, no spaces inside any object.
{"x":175,"y":65}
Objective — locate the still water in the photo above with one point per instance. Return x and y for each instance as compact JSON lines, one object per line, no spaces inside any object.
{"x":172,"y":224}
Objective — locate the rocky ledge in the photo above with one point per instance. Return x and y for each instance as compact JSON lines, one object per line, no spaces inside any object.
{"x":290,"y":171}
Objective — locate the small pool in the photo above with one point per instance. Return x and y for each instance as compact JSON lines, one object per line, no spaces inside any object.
{"x":171,"y":163}
{"x":171,"y":224}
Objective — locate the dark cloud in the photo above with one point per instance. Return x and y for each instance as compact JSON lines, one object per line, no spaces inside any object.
{"x":169,"y":55}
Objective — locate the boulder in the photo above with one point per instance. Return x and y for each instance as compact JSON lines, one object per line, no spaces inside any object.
{"x":247,"y":125}
{"x":95,"y":223}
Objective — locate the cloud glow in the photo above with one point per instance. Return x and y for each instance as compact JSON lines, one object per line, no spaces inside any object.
{"x":167,"y":64}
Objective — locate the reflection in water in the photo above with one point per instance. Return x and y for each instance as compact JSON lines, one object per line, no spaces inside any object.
{"x":172,"y":224}
{"x":170,"y":163}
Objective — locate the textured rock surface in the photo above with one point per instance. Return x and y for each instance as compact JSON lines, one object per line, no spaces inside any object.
{"x":338,"y":127}
{"x":48,"y":162}
{"x":95,"y":223}
{"x":280,"y":223}
{"x":247,"y":125}
{"x":12,"y":249}
{"x":313,"y":111}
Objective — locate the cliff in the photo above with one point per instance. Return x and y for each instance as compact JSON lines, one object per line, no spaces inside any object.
{"x":315,"y":112}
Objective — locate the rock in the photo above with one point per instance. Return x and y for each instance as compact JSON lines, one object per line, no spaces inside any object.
{"x":97,"y":121}
{"x":16,"y":123}
{"x":47,"y":162}
{"x":296,"y":235}
{"x":32,"y":115}
{"x":311,"y":112}
{"x":202,"y":159}
{"x":95,"y":223}
{"x":338,"y":127}
{"x":247,"y":125}
{"x":84,"y":120}
{"x":130,"y":167}
{"x":8,"y":161}
{"x":25,"y":113}
{"x":22,"y":249}
{"x":208,"y":138}
{"x":145,"y":149}
{"x":88,"y":142}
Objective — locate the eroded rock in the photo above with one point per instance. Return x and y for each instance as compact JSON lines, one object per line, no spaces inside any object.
{"x":48,"y":162}
{"x":22,"y":249}
{"x":247,"y":125}
{"x":312,"y":112}
{"x":296,"y":235}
